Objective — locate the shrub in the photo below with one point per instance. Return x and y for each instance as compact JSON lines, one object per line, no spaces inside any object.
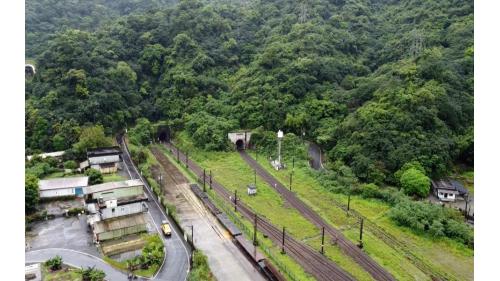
{"x":92,"y":274}
{"x":201,"y":270}
{"x":95,"y":176}
{"x":414,"y":182}
{"x":54,"y":263}
{"x":70,"y":164}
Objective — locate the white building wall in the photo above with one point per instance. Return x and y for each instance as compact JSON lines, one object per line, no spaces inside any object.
{"x":57,"y":192}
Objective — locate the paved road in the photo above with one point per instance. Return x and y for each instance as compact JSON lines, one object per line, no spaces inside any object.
{"x":76,"y":259}
{"x":176,"y":264}
{"x":315,"y":154}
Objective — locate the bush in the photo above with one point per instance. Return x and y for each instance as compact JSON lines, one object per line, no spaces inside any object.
{"x":95,"y":176}
{"x":54,"y":263}
{"x":70,"y":164}
{"x":92,"y":274}
{"x":201,"y":270}
{"x":75,"y":211}
{"x":414,"y":182}
{"x":437,"y":220}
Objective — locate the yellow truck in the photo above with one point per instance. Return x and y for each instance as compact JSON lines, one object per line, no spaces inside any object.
{"x":165,"y":227}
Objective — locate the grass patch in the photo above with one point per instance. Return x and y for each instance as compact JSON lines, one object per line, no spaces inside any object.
{"x":443,"y":254}
{"x":112,"y":177}
{"x":229,"y":169}
{"x":67,"y":273}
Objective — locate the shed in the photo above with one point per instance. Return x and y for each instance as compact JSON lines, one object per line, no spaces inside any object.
{"x":124,"y":210}
{"x":104,"y":159}
{"x":251,"y":189}
{"x":118,"y":227}
{"x":122,"y":191}
{"x":444,"y":190}
{"x":58,"y":187}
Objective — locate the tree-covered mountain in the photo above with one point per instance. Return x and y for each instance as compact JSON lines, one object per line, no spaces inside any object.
{"x":377,"y":83}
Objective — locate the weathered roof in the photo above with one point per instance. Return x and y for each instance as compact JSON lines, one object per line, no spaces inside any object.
{"x":459,"y":187}
{"x":84,"y":164}
{"x":251,"y":186}
{"x":95,"y":160}
{"x":119,"y":223}
{"x":447,"y":191}
{"x":449,"y":185}
{"x":112,"y":185}
{"x":102,"y":151}
{"x":58,"y":183}
{"x":123,"y":210}
{"x":48,"y":154}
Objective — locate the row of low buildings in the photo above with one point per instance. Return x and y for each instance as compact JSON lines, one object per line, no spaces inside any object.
{"x":115,"y":209}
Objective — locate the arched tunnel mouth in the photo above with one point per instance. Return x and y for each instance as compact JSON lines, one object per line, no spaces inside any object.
{"x":240,"y":145}
{"x":164,"y":135}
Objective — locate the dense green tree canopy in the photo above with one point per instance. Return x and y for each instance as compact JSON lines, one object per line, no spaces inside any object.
{"x":377,"y":83}
{"x":31,"y":196}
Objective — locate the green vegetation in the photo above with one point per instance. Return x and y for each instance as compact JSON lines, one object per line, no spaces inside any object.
{"x":54,"y":263}
{"x":201,"y":270}
{"x":112,"y":177}
{"x":142,"y":132}
{"x":147,"y":263}
{"x":65,"y":274}
{"x":70,"y":164}
{"x":414,"y":182}
{"x":31,"y":196}
{"x":377,"y":84}
{"x":91,"y":137}
{"x":92,"y":274}
{"x":95,"y":176}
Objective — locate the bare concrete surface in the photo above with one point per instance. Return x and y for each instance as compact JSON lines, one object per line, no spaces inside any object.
{"x":225,"y":259}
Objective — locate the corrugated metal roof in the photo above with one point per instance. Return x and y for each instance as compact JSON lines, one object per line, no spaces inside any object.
{"x":58,"y":183}
{"x":123,"y":210}
{"x":104,"y":159}
{"x":48,"y":154}
{"x":112,"y":185}
{"x":119,"y":223}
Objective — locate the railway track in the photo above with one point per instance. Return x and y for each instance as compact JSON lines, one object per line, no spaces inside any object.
{"x":311,"y":260}
{"x":350,"y":249}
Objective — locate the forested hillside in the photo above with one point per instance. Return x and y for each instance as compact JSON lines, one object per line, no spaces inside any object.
{"x":377,"y":83}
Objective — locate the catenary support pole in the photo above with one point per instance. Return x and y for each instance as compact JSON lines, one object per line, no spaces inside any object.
{"x":204,"y":181}
{"x":235,"y":200}
{"x":323,"y":241}
{"x":210,"y":179}
{"x":255,"y":230}
{"x":283,"y":242}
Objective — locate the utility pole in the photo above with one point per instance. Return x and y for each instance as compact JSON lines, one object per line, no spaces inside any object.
{"x":283,"y":242}
{"x":178,"y":155}
{"x":361,"y":234}
{"x":255,"y":229}
{"x":293,"y":163}
{"x":255,"y":153}
{"x":348,"y":202}
{"x":210,"y":179}
{"x":204,"y":175}
{"x":291,"y":181}
{"x":235,"y":200}
{"x":255,"y":177}
{"x":323,"y":241}
{"x":187,"y":160}
{"x":192,"y":234}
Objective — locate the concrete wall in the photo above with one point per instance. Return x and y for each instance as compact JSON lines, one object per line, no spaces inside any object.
{"x":121,"y":232}
{"x":57,"y":192}
{"x":234,"y":137}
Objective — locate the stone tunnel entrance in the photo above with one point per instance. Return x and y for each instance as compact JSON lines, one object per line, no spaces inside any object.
{"x":240,"y":144}
{"x":240,"y":140}
{"x":163,"y":134}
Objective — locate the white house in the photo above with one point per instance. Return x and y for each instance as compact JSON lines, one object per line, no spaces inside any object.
{"x":59,"y":187}
{"x":445,"y":191}
{"x":104,"y":159}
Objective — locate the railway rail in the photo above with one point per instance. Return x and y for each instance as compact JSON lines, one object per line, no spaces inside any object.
{"x":311,"y":260}
{"x":349,"y":248}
